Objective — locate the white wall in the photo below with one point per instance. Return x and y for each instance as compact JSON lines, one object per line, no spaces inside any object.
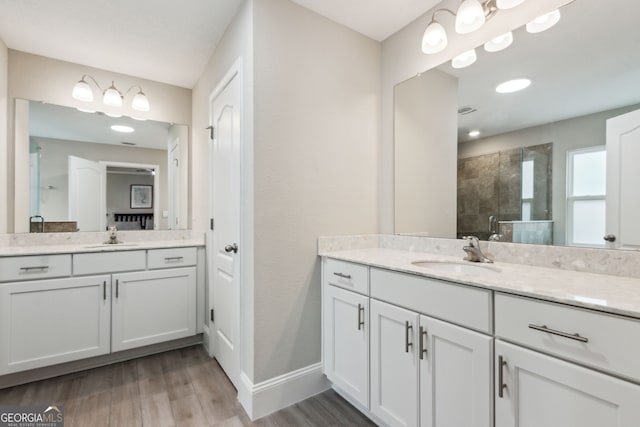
{"x":578,"y":132}
{"x":317,"y":109}
{"x":237,"y":42}
{"x":4,"y":167}
{"x":119,"y":193}
{"x":402,"y":59}
{"x":54,"y":171}
{"x":426,"y":123}
{"x":38,"y":78}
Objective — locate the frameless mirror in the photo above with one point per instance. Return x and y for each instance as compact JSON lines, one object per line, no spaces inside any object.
{"x":534,"y":170}
{"x":88,"y":171}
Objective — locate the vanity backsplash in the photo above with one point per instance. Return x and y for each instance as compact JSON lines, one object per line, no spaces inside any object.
{"x":603,"y":261}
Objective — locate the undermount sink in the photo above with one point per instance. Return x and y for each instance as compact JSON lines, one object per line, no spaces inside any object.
{"x":456,"y":267}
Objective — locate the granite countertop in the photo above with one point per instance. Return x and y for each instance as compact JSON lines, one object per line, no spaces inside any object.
{"x":96,"y":247}
{"x":611,"y":294}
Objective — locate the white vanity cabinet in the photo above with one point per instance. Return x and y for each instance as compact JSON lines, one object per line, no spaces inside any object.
{"x":539,"y":389}
{"x":149,"y":307}
{"x":46,"y":322}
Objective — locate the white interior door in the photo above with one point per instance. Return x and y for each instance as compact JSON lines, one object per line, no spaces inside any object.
{"x":224,"y":251}
{"x":623,"y":176}
{"x":87,"y":194}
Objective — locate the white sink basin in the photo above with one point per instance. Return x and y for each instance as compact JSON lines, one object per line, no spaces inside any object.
{"x":457,"y":267}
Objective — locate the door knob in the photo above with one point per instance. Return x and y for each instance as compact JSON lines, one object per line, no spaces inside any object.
{"x":610,"y":237}
{"x":231,"y":248}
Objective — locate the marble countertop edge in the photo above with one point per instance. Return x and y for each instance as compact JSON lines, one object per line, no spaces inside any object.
{"x":8,"y":251}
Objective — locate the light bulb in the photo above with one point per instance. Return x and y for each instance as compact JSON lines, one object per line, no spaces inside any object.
{"x":434,"y":39}
{"x":464,"y":59}
{"x":470,"y":17}
{"x":544,"y":22}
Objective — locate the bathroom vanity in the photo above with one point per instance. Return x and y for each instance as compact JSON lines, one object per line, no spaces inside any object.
{"x":418,"y":338}
{"x":72,"y":302}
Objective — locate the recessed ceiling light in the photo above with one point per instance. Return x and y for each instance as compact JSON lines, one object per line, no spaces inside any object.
{"x":122,"y":128}
{"x":474,"y":133}
{"x":513,"y":85}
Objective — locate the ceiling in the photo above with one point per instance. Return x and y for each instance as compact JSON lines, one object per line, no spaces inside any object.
{"x":69,"y":124}
{"x":165,"y":40}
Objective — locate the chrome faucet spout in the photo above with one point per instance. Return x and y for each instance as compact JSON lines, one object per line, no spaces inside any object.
{"x":473,"y":251}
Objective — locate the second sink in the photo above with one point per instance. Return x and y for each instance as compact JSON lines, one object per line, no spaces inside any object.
{"x":456,"y":267}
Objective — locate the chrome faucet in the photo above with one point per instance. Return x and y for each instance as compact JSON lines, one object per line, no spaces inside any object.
{"x":113,"y":236}
{"x":474,"y":253}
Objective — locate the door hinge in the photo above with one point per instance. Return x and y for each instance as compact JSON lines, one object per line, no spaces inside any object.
{"x":212,"y":316}
{"x":211,"y":131}
{"x":211,"y":224}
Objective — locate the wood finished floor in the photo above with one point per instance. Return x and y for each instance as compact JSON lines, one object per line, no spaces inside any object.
{"x":178,"y":388}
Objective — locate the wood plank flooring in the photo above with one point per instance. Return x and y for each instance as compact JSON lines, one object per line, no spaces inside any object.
{"x":177,"y":388}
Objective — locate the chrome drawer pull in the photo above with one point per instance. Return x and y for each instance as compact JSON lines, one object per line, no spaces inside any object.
{"x":344,"y":276}
{"x":501,"y":385}
{"x":544,"y":328}
{"x":423,"y":342}
{"x":173,"y":258}
{"x":360,"y":316}
{"x":39,"y":267}
{"x":407,"y":328}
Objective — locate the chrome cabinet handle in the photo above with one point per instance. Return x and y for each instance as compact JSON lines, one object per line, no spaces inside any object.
{"x":38,"y":267}
{"x":407,"y":328}
{"x":360,"y":316}
{"x":610,"y":238}
{"x":501,"y":385}
{"x":344,"y":276}
{"x":173,"y":258}
{"x":548,"y":330}
{"x":231,"y":248}
{"x":104,"y":290}
{"x":423,"y":342}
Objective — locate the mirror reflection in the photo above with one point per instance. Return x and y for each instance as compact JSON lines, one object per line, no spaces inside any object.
{"x":541,"y":165}
{"x":89,"y":171}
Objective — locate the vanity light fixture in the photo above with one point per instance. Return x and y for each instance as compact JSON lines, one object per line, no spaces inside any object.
{"x":464,"y":59}
{"x":470,"y":16}
{"x":499,"y":43}
{"x":508,"y":4}
{"x":544,"y":22}
{"x":122,"y":128}
{"x":513,"y":85}
{"x":111,"y":96}
{"x":474,"y":133}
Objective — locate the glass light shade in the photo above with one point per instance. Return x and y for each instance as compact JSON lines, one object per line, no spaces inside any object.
{"x":499,"y":43}
{"x":470,"y":17}
{"x":140,"y":102}
{"x":82,"y":91}
{"x":544,"y":22}
{"x":112,"y":97}
{"x":508,"y":4}
{"x":464,"y":59}
{"x":434,"y":39}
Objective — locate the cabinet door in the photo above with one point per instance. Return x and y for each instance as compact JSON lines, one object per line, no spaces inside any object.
{"x":153,"y":306}
{"x":346,"y":341}
{"x":47,"y":322}
{"x":545,"y":391}
{"x":394,"y":364}
{"x":455,"y":375}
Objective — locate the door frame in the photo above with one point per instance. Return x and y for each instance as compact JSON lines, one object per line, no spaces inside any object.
{"x":235,"y":71}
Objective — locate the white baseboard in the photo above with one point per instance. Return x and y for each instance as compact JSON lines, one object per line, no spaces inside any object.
{"x":264,"y":398}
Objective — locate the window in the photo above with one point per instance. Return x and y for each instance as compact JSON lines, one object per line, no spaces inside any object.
{"x":586,"y":191}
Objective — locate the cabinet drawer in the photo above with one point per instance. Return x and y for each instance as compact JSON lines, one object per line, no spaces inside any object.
{"x":108,"y":262}
{"x":354,"y":277}
{"x":169,"y":258}
{"x":460,"y":304}
{"x":34,"y":267}
{"x":605,"y":342}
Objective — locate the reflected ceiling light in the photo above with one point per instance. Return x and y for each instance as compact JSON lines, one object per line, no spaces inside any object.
{"x":474,"y":133}
{"x":114,"y":115}
{"x":508,"y":4}
{"x":464,"y":59}
{"x":470,"y":17}
{"x":434,"y":39}
{"x":544,"y":22}
{"x":513,"y":85}
{"x":111,"y":96}
{"x":122,"y":128}
{"x":499,"y":43}
{"x":85,"y":110}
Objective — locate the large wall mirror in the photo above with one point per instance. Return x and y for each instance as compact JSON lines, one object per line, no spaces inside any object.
{"x":550,"y":164}
{"x":88,"y":171}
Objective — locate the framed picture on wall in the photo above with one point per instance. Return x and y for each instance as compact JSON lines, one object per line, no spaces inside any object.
{"x":141,"y":196}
